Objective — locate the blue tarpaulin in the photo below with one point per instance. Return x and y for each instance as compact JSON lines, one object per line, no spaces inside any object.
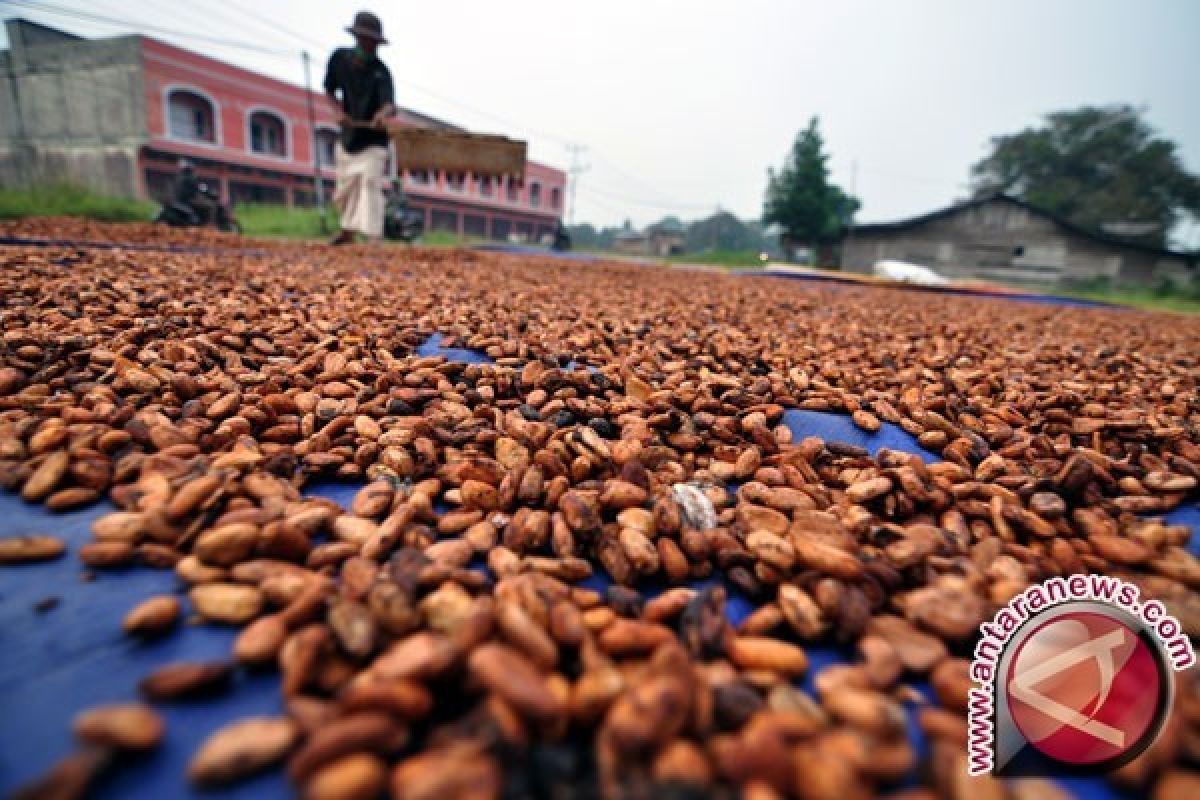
{"x":57,"y":662}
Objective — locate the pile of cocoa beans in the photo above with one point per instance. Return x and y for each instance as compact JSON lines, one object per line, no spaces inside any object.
{"x":433,"y":640}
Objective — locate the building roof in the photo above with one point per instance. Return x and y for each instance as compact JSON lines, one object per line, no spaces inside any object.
{"x":21,"y":26}
{"x":975,"y":202}
{"x":423,"y":120}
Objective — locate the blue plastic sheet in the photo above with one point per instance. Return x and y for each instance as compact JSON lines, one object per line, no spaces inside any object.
{"x":840,"y":428}
{"x":55,"y":663}
{"x":1023,"y":297}
{"x":433,"y":347}
{"x":528,"y":250}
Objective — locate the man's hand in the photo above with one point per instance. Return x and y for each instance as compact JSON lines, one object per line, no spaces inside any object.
{"x":343,"y":118}
{"x":383,"y":115}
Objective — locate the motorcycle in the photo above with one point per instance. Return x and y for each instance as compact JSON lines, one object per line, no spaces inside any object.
{"x":562,"y":240}
{"x":401,"y":223}
{"x":186,"y":215}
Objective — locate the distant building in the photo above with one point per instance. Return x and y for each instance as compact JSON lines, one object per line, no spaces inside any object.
{"x":633,"y":243}
{"x":999,"y":238}
{"x":116,"y":114}
{"x":667,"y":238}
{"x":661,"y":240}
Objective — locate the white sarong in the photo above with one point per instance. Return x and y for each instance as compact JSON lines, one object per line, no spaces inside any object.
{"x":359,"y":192}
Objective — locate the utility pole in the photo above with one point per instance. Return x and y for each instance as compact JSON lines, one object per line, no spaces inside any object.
{"x":576,"y":169}
{"x":318,"y":183}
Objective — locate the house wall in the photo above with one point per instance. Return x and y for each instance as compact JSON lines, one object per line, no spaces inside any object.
{"x":1003,"y":242}
{"x":70,"y":109}
{"x":237,"y":93}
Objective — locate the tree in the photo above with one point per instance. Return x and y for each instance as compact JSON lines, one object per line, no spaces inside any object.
{"x":800,"y":199}
{"x":584,"y":235}
{"x":668,"y":223}
{"x":721,"y":231}
{"x":1101,"y":168}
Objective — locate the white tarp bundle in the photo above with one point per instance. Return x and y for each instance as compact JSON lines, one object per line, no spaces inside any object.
{"x":908,"y":273}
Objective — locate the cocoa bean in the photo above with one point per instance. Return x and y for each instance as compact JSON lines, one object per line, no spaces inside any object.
{"x":124,"y":726}
{"x":185,"y":679}
{"x":30,"y":548}
{"x":241,"y":749}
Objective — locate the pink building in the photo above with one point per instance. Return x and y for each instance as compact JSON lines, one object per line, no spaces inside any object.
{"x":247,"y":133}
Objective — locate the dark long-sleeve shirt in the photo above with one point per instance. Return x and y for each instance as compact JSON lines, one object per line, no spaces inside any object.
{"x":366,"y":87}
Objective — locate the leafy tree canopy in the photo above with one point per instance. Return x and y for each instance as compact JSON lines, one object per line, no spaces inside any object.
{"x":801,"y":200}
{"x":722,"y":231}
{"x":1101,"y":168}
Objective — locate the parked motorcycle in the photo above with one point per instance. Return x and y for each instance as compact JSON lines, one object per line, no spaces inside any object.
{"x":562,"y":239}
{"x":211,"y":212}
{"x":401,"y":223}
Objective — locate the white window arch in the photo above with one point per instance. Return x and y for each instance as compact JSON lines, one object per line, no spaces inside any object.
{"x":327,"y":138}
{"x":190,"y":114}
{"x":268,"y":132}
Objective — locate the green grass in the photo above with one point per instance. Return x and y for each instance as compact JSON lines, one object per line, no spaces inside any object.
{"x":446,"y":239}
{"x":284,"y":222}
{"x":305,"y":223}
{"x":65,"y":200}
{"x":1166,"y":295}
{"x":720,"y":258}
{"x":1148,"y":299}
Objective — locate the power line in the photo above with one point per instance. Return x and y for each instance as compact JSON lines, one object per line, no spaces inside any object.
{"x":576,"y":170}
{"x":180,"y":14}
{"x":617,"y":196}
{"x":49,"y":8}
{"x":621,"y":212}
{"x":638,"y":181}
{"x":308,"y":41}
{"x":272,"y":25}
{"x":595,"y":191}
{"x":77,"y":14}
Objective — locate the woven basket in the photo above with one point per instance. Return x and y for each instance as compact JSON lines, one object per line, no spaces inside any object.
{"x":455,"y":152}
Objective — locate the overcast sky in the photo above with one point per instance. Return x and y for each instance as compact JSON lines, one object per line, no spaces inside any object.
{"x":683,"y":105}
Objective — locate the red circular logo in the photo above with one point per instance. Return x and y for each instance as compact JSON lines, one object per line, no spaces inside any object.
{"x":1085,"y":688}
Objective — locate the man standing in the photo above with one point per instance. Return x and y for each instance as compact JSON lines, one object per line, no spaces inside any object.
{"x":366,"y":102}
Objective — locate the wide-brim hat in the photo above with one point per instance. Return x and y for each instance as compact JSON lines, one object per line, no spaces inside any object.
{"x":367,"y":24}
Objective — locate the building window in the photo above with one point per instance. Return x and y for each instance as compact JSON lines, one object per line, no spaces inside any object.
{"x":418,"y":177}
{"x":160,"y":185}
{"x":535,"y":194}
{"x":455,"y":181}
{"x":268,"y":135}
{"x":474,"y":225}
{"x":444,"y":221}
{"x":326,"y":145}
{"x":485,"y":185}
{"x":513,"y":190}
{"x":555,"y":198}
{"x":191,"y":117}
{"x":257,"y":193}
